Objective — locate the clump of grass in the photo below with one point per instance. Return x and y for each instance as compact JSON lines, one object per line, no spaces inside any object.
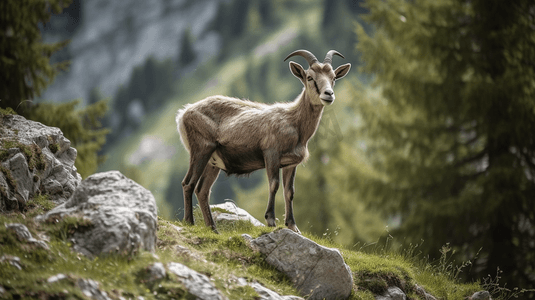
{"x":41,"y":201}
{"x":65,"y":227}
{"x":54,"y":147}
{"x":500,"y":291}
{"x":10,"y":180}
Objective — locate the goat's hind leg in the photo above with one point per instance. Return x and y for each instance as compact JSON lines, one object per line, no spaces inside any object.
{"x":202,"y":191}
{"x":197,"y":163}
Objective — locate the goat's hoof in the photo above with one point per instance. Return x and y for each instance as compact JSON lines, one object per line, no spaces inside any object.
{"x":271,"y":222}
{"x":294,"y":228}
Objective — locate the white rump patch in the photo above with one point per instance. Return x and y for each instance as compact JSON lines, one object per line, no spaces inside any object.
{"x":215,"y":160}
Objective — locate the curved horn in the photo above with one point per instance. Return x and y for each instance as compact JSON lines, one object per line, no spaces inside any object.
{"x":311,"y":59}
{"x":329,"y":56}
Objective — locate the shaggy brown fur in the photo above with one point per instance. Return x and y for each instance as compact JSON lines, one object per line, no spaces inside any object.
{"x":240,"y":136}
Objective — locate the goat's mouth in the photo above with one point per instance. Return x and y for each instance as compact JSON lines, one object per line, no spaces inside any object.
{"x":327,"y":100}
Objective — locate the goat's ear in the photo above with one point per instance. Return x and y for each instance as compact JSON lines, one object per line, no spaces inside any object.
{"x":342,"y":71}
{"x":298,"y":71}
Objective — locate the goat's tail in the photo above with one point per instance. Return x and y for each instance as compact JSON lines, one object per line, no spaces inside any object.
{"x":181,"y":128}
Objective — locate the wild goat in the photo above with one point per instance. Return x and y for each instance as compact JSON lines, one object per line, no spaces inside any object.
{"x":240,"y":136}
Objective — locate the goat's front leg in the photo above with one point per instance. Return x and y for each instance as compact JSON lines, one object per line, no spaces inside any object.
{"x":272,"y":162}
{"x":288,"y":177}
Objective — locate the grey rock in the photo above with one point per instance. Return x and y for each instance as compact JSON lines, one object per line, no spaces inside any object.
{"x":267,"y":294}
{"x":196,"y":283}
{"x":235,"y":214}
{"x":263,"y":292}
{"x":91,"y":289}
{"x":56,"y":278}
{"x":392,"y":293}
{"x":21,"y":174}
{"x":317,"y":272}
{"x":57,"y":177}
{"x":12,"y":260}
{"x":481,"y":295}
{"x":23,"y":234}
{"x":423,"y":293}
{"x":177,"y":228}
{"x":122,"y":213}
{"x":156,"y":271}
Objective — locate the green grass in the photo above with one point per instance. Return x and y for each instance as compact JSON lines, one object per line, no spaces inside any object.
{"x":223,"y":257}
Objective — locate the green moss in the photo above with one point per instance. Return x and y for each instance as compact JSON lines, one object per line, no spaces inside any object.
{"x":9,"y":178}
{"x":54,"y":147}
{"x":63,"y":228}
{"x":6,"y":111}
{"x":3,"y":154}
{"x":41,"y":203}
{"x":34,"y":156}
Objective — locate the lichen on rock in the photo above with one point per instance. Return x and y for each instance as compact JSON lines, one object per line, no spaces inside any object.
{"x":28,"y":166}
{"x":122,"y":213}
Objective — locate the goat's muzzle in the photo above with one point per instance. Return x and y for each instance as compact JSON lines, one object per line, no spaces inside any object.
{"x":327,"y":97}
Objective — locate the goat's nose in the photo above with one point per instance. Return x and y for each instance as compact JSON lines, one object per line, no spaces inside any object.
{"x":328,"y":92}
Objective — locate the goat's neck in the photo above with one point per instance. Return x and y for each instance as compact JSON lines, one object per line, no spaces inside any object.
{"x":307,"y":116}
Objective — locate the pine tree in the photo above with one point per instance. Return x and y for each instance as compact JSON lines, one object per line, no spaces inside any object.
{"x":451,"y":127}
{"x":187,"y":53}
{"x":25,"y":68}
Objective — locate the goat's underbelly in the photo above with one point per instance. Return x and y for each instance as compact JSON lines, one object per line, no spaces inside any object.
{"x":234,"y":162}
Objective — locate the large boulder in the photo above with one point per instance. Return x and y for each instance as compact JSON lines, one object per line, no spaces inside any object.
{"x":316,"y":271}
{"x":34,"y":158}
{"x":122,"y":214}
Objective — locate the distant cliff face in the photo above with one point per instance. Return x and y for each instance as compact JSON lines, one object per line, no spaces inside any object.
{"x":113,"y":37}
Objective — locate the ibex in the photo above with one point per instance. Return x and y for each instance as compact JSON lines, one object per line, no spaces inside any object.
{"x":240,"y":136}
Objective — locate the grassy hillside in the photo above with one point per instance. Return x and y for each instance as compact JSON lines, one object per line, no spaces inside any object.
{"x":223,"y":257}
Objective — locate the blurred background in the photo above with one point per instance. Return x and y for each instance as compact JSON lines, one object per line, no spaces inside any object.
{"x":429,"y":145}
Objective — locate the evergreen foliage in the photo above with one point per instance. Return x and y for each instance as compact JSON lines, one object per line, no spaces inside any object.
{"x":450,"y":125}
{"x":24,"y":59}
{"x":187,"y":53}
{"x":26,"y":69}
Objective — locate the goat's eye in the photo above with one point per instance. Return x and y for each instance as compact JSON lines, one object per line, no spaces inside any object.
{"x":309,"y":78}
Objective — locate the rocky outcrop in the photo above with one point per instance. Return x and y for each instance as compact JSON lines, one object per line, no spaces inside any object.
{"x":34,"y":158}
{"x":121,"y":212}
{"x":317,"y":272}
